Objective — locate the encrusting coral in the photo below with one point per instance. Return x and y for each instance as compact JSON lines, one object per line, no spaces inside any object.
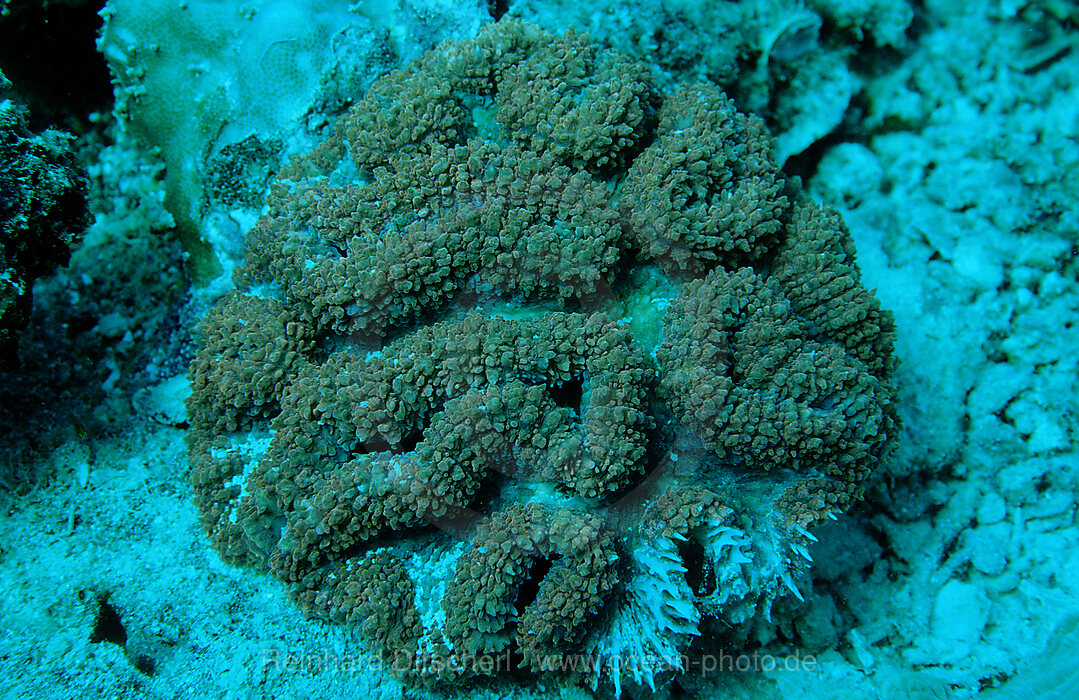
{"x":438,"y":405}
{"x":43,"y":210}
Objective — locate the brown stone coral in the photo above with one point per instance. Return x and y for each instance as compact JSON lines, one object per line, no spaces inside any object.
{"x":483,"y":601}
{"x":706,"y":190}
{"x":338,"y":470}
{"x":474,"y":165}
{"x":251,"y":349}
{"x":426,"y":410}
{"x":743,"y":371}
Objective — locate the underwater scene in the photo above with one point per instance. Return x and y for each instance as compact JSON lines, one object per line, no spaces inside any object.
{"x":514,"y":349}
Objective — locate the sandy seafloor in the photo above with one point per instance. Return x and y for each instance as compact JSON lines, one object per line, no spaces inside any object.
{"x":959,"y":574}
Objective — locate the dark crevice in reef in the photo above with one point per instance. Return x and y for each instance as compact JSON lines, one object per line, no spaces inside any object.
{"x":529,"y":589}
{"x":527,"y":593}
{"x":699,"y":574}
{"x":48,"y":50}
{"x":497,"y":8}
{"x":407,"y":444}
{"x":805,"y":164}
{"x":144,"y":664}
{"x":568,"y":394}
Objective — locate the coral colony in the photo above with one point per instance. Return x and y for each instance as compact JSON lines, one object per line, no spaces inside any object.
{"x":530,"y":362}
